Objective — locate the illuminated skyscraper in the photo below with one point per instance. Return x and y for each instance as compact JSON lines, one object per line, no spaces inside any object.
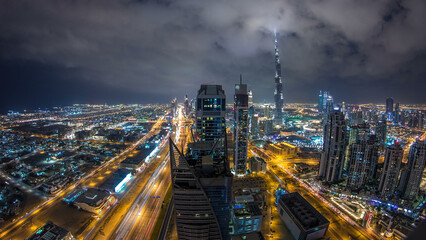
{"x":396,"y":115}
{"x":201,"y":192}
{"x":356,"y":132}
{"x":411,"y":176}
{"x":380,"y":130}
{"x":390,"y":171}
{"x":320,"y":102}
{"x":363,"y":159}
{"x":186,"y":105}
{"x":333,"y":154}
{"x":389,"y":105}
{"x":240,"y":128}
{"x":278,"y":95}
{"x":210,"y":112}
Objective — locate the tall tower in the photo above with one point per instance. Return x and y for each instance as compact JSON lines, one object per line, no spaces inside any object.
{"x":390,"y":172}
{"x":363,"y":159}
{"x":186,"y":105}
{"x":411,"y":177}
{"x":333,"y":154}
{"x":210,"y":112}
{"x":278,"y":95}
{"x":240,"y":128}
{"x":201,"y":193}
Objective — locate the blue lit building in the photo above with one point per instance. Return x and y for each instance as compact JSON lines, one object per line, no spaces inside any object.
{"x":240,"y":128}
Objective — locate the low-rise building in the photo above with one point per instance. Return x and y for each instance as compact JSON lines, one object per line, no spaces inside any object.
{"x":246,"y":218}
{"x":301,"y":218}
{"x":94,"y":200}
{"x":257,"y":165}
{"x":283,"y":149}
{"x":51,"y":231}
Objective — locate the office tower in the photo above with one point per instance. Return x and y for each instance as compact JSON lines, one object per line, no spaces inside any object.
{"x":362,"y":166}
{"x":240,"y":128}
{"x":389,"y":108}
{"x":396,"y":117}
{"x":278,"y":96}
{"x":389,"y":105}
{"x":268,"y":126}
{"x":380,"y":132}
{"x":420,"y":117}
{"x":320,"y":102}
{"x":333,"y":154}
{"x":267,"y":111}
{"x":250,"y":98}
{"x":411,"y":176}
{"x":201,"y":191}
{"x":186,"y":105}
{"x":356,"y":132}
{"x":250,"y":119}
{"x":329,"y":104}
{"x":390,"y":171}
{"x":255,"y":124}
{"x":174,"y":107}
{"x":210,"y":112}
{"x":355,"y":118}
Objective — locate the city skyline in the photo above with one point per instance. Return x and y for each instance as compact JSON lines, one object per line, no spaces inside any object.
{"x":56,"y":57}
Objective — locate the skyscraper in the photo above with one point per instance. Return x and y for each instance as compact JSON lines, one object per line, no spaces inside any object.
{"x":320,"y":102}
{"x":250,"y":98}
{"x":210,"y":112}
{"x":186,"y":105}
{"x":389,"y":109}
{"x":411,"y":176}
{"x":240,"y":128}
{"x":201,"y":192}
{"x":278,"y":95}
{"x":396,"y":115}
{"x":333,"y":154}
{"x":363,"y":159}
{"x":390,"y":171}
{"x":389,"y":105}
{"x":380,"y":131}
{"x":356,"y":132}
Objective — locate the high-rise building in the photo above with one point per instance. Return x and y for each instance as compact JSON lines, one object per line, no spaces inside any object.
{"x":174,"y":105}
{"x":320,"y":102}
{"x":201,"y":191}
{"x":396,"y":115}
{"x":362,"y":166}
{"x":390,"y":171}
{"x":186,"y":105}
{"x":411,"y":176}
{"x":278,"y":95}
{"x":356,"y":132}
{"x":329,"y":104}
{"x":389,"y":109}
{"x":333,"y":154}
{"x":380,"y":131}
{"x":210,"y":112}
{"x":267,"y":111}
{"x":250,"y":98}
{"x":389,"y":105}
{"x":254,"y":127}
{"x":240,"y":128}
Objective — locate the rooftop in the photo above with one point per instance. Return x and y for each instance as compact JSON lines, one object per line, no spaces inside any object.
{"x":93,"y":197}
{"x":302,"y":211}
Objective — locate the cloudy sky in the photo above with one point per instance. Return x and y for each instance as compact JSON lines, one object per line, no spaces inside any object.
{"x":104,"y":51}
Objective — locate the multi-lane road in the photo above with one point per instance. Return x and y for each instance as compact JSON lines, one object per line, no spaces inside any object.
{"x":341,"y":227}
{"x":53,"y":209}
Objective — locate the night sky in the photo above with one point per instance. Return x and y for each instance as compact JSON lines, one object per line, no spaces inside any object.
{"x":64,"y":52}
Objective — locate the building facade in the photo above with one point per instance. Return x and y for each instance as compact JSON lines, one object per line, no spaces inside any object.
{"x":390,"y":171}
{"x":363,"y":160}
{"x":411,"y":176}
{"x":240,"y":128}
{"x":278,"y":94}
{"x":333,"y":154}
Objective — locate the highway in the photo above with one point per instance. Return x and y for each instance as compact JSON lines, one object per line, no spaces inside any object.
{"x":45,"y":211}
{"x":135,"y":217}
{"x":341,"y":226}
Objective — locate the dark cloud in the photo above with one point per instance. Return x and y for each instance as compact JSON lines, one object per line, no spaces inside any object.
{"x":148,"y":51}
